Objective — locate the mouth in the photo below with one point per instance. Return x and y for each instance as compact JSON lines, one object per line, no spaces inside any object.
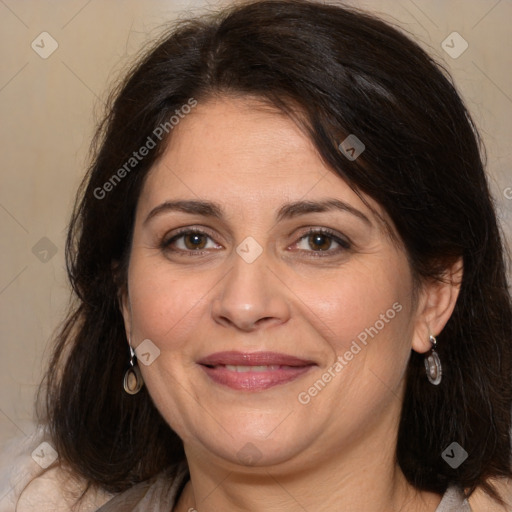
{"x":255,"y":371}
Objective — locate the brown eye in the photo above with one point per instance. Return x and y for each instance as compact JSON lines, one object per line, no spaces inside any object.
{"x":194,"y":241}
{"x":189,"y":241}
{"x":322,"y":242}
{"x":319,"y":242}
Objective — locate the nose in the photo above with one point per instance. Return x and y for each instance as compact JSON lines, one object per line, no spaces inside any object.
{"x":250,"y":297}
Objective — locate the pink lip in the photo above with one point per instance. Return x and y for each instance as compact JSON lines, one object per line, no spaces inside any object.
{"x":288,"y":368}
{"x":253,"y":359}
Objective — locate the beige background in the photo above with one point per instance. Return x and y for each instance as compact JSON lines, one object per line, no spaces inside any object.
{"x":48,"y":108}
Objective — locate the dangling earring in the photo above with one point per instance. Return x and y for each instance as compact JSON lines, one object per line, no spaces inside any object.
{"x":433,"y":364}
{"x":133,"y":381}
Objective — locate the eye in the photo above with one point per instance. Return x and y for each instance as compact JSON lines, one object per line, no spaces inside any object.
{"x":322,"y":241}
{"x":189,"y":241}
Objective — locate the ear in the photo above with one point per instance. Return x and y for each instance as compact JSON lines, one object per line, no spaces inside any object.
{"x":435,"y":306}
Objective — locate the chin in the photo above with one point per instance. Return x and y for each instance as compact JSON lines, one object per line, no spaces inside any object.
{"x":256,"y":445}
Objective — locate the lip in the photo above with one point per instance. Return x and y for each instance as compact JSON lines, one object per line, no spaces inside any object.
{"x":253,"y":359}
{"x":284,"y":368}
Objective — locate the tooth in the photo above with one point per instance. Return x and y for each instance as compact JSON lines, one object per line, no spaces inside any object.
{"x":260,"y":368}
{"x":233,"y":368}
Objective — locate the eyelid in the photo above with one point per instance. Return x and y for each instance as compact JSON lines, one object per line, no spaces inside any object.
{"x":343,"y":241}
{"x":180,"y":232}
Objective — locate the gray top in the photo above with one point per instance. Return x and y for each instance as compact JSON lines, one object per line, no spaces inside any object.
{"x":161,"y":493}
{"x":453,"y":501}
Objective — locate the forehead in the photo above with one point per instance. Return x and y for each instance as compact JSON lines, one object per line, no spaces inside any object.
{"x":245,"y":152}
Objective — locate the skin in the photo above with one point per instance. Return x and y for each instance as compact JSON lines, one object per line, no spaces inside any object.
{"x":336,"y":452}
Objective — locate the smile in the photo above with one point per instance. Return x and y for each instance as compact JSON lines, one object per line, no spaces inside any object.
{"x":255,"y":371}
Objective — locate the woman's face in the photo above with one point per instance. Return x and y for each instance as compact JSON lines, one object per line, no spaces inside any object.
{"x":275,"y":313}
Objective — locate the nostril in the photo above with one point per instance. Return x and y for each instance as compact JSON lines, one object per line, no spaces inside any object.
{"x":265,"y":320}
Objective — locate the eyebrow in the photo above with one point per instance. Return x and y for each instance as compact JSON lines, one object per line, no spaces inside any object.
{"x":287,"y":211}
{"x":204,"y":208}
{"x":291,"y":210}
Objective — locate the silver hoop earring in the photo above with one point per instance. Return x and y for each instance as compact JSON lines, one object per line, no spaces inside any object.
{"x":133,"y":381}
{"x":433,"y":364}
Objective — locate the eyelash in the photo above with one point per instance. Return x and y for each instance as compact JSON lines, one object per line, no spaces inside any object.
{"x":344,"y":244}
{"x":166,"y":243}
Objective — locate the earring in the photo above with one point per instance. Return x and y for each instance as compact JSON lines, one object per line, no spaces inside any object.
{"x":433,"y":364}
{"x":133,"y":381}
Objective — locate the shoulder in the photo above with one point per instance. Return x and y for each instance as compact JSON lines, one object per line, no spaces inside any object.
{"x":58,"y":490}
{"x":481,"y":502}
{"x":158,"y":493}
{"x":28,"y":484}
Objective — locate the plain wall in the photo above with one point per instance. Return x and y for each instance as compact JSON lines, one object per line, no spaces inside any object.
{"x":49,"y":108}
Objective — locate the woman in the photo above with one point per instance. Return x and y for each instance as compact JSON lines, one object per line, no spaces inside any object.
{"x":290,"y":281}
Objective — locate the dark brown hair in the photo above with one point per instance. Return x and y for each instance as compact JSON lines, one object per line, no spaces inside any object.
{"x":348,"y":73}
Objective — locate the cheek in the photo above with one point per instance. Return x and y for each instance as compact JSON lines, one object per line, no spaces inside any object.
{"x":369,"y":335}
{"x":163,"y":303}
{"x":361,"y":304}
